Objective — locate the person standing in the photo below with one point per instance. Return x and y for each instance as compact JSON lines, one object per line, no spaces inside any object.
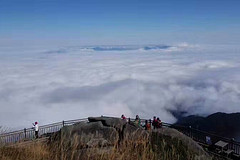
{"x":154,"y":123}
{"x":123,"y":117}
{"x":137,"y":121}
{"x":147,"y":125}
{"x":150,"y":122}
{"x":159,"y":123}
{"x":36,"y":129}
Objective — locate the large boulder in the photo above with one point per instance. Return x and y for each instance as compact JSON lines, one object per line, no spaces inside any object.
{"x":109,"y":122}
{"x":105,"y":136}
{"x":87,"y":135}
{"x":126,"y":130}
{"x":183,"y":144}
{"x":134,"y":132}
{"x":99,"y":131}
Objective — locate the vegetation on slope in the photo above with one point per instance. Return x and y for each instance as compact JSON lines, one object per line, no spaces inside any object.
{"x":103,"y":139}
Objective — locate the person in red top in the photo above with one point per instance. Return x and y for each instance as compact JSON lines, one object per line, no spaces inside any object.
{"x":147,"y":125}
{"x":159,"y":123}
{"x":154,"y":123}
{"x":123,"y":118}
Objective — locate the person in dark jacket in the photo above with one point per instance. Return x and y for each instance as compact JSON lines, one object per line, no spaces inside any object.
{"x":154,"y":123}
{"x":137,"y":121}
{"x":150,"y":122}
{"x":147,"y":125}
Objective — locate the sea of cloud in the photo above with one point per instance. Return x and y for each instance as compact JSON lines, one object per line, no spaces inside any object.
{"x":55,"y":84}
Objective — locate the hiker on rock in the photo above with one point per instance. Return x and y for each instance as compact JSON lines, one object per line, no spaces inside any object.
{"x":137,"y":121}
{"x":124,"y":118}
{"x":159,"y":123}
{"x":150,"y":122}
{"x":154,"y":122}
{"x":147,"y":125}
{"x":36,"y":129}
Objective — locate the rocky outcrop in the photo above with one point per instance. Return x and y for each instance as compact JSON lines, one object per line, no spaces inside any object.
{"x":179,"y":140}
{"x":99,"y":131}
{"x":106,"y":133}
{"x":116,"y":123}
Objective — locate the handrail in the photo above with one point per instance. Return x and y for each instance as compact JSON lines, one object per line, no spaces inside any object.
{"x":195,"y":134}
{"x":207,"y":133}
{"x":43,"y":126}
{"x":200,"y":136}
{"x":193,"y":129}
{"x":28,"y":133}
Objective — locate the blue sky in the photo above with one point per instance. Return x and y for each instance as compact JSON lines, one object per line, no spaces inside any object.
{"x":119,"y":22}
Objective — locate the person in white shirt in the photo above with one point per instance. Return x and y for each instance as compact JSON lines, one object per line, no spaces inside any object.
{"x":36,"y":129}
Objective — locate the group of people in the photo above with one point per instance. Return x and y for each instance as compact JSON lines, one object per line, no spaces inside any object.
{"x":149,"y":124}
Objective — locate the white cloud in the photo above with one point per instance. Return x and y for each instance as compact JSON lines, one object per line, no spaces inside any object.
{"x":79,"y":83}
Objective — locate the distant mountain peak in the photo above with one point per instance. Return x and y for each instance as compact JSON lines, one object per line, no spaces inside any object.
{"x":224,"y":124}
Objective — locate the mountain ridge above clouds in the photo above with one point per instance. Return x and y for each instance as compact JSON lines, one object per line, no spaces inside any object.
{"x":119,"y":48}
{"x":223,"y":124}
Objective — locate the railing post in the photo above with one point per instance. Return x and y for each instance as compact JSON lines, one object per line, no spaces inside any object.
{"x":63,"y":123}
{"x":25,"y":133}
{"x":19,"y":138}
{"x":190,"y":132}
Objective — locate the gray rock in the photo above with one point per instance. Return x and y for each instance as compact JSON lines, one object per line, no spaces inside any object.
{"x":87,"y":135}
{"x":186,"y":141}
{"x":134,"y":132}
{"x":109,"y":121}
{"x":105,"y":132}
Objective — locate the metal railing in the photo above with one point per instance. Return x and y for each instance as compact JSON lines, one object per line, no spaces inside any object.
{"x":197,"y":135}
{"x":29,"y":133}
{"x":200,"y":136}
